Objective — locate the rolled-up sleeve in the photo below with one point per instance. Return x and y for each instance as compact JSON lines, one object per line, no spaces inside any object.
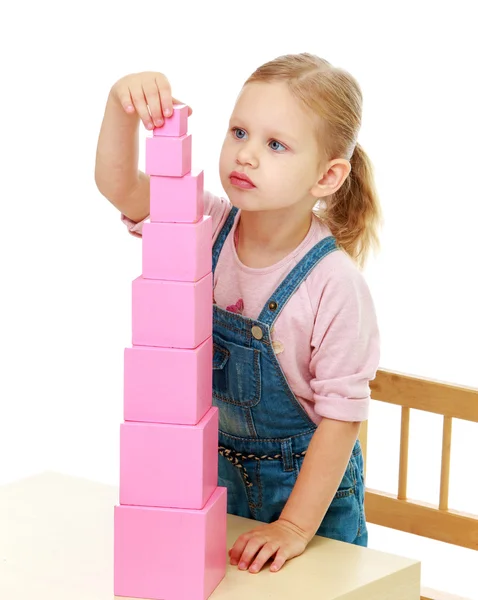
{"x":135,"y":228}
{"x":345,"y":349}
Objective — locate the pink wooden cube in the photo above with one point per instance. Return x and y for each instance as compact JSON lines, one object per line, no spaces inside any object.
{"x":176,"y":124}
{"x":170,"y":554}
{"x":171,"y":314}
{"x":163,"y":464}
{"x":170,"y":156}
{"x":177,"y":251}
{"x":177,"y":199}
{"x":167,"y":385}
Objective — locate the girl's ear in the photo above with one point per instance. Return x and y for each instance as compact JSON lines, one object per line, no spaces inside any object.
{"x":337,"y":172}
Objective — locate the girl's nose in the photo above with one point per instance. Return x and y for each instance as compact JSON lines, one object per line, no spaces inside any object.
{"x":247,"y":157}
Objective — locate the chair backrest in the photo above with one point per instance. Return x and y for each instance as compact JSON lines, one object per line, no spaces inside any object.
{"x":437,"y":522}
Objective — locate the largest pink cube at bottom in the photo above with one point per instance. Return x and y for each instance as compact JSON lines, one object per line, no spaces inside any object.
{"x":170,"y":554}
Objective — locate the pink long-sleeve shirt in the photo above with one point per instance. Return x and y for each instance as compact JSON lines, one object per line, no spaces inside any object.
{"x":326,"y":338}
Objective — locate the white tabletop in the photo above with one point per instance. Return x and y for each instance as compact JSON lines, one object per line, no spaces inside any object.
{"x":56,"y":543}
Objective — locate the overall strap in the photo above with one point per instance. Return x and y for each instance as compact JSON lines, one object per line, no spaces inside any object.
{"x":221,"y":238}
{"x":299,"y":273}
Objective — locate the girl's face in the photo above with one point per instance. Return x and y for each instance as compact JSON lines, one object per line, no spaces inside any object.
{"x":271,"y":139}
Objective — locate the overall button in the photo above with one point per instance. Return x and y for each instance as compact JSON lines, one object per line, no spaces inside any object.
{"x":273,"y":305}
{"x":257,"y":332}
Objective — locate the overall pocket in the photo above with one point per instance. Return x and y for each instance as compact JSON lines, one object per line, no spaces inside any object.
{"x":236,"y":374}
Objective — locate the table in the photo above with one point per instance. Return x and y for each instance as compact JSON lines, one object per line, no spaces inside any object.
{"x":56,"y":543}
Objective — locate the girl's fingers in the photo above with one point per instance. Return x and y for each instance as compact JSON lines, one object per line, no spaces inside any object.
{"x":151,"y":94}
{"x":279,"y":561}
{"x":266,"y":552}
{"x":126,"y":101}
{"x":164,"y":91}
{"x":236,"y":551}
{"x":139,"y":102}
{"x":250,"y":551}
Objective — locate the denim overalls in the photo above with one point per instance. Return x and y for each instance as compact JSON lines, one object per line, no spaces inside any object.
{"x":263,"y":430}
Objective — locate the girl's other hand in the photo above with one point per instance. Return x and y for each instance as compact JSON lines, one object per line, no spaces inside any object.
{"x":280,"y":540}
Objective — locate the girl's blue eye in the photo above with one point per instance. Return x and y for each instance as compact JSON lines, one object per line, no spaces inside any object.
{"x":237,"y":131}
{"x":240,"y":134}
{"x":278,"y":144}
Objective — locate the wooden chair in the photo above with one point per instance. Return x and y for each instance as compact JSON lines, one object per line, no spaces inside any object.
{"x":397,"y":511}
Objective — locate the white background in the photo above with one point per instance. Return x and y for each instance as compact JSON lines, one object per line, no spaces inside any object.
{"x":67,"y":262}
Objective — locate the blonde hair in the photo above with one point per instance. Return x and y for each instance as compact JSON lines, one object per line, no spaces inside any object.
{"x":353,"y":212}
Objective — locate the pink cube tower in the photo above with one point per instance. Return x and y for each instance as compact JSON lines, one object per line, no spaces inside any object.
{"x":170,"y":523}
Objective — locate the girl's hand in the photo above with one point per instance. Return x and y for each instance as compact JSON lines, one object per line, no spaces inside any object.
{"x":281,"y":538}
{"x":140,"y":91}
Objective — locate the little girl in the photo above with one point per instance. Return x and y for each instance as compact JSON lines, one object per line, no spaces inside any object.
{"x":295,"y":332}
